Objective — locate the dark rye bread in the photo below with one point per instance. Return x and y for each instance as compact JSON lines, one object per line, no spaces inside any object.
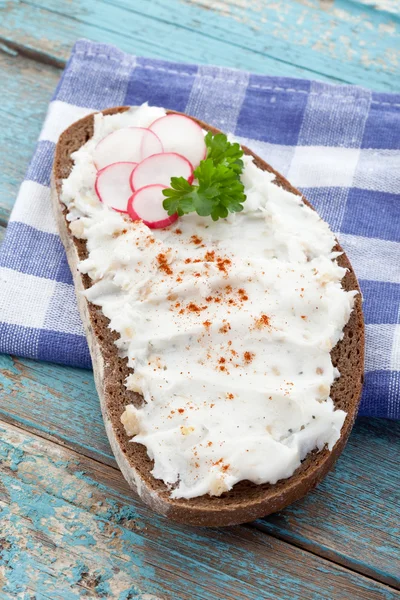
{"x":246,"y":501}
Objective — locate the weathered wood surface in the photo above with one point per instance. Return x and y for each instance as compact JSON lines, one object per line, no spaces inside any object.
{"x":352,"y":518}
{"x":71,"y":527}
{"x":343,"y":40}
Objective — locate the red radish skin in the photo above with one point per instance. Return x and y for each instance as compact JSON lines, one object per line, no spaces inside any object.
{"x":126,"y":145}
{"x":159,"y":168}
{"x":146,"y":205}
{"x":112,"y":185}
{"x":180,"y":134}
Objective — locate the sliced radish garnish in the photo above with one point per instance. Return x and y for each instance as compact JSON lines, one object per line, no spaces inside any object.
{"x":181,"y":135}
{"x":159,"y":168}
{"x":147,"y":205}
{"x":112,"y":185}
{"x":129,"y":144}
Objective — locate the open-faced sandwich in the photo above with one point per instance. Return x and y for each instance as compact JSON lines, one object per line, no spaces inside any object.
{"x":223,"y":319}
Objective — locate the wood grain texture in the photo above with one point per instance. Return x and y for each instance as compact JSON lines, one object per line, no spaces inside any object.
{"x":391,"y":6}
{"x":355,"y":520}
{"x":29,"y":88}
{"x":131,"y":28}
{"x":351,"y":515}
{"x":345,"y":41}
{"x":71,"y":529}
{"x":56,"y":402}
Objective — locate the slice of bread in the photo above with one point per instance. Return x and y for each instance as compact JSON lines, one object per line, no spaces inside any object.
{"x":246,"y":501}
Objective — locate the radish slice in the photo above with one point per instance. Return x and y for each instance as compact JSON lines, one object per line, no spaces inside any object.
{"x":129,"y":144}
{"x":112,"y":185}
{"x":159,"y":168}
{"x":147,"y":205}
{"x":181,"y":135}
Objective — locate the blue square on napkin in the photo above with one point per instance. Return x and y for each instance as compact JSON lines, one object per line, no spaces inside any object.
{"x":339,"y":144}
{"x":173,"y":89}
{"x":382,"y":133}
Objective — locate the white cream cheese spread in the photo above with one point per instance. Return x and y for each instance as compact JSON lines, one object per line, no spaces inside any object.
{"x":227,"y":326}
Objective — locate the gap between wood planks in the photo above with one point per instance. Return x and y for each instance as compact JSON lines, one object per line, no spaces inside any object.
{"x":236,"y":44}
{"x":17,"y":452}
{"x":51,"y":60}
{"x":17,"y":49}
{"x":4,"y":217}
{"x":303,"y":543}
{"x":276,"y":37}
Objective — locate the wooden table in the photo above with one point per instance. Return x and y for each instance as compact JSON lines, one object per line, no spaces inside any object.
{"x":70,"y":527}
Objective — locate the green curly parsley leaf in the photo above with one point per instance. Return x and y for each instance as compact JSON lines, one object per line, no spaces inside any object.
{"x":218,"y":191}
{"x":223,"y":152}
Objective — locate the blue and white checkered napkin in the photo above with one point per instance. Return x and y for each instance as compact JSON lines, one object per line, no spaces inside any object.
{"x":339,"y":144}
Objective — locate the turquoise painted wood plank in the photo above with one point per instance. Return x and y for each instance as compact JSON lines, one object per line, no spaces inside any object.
{"x":345,"y":42}
{"x":390,"y":6}
{"x":128,"y":29}
{"x":29,"y":87}
{"x":364,"y":483}
{"x":351,"y":514}
{"x":70,"y":527}
{"x":56,"y":401}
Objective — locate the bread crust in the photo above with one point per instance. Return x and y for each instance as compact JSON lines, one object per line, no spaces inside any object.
{"x":246,"y":501}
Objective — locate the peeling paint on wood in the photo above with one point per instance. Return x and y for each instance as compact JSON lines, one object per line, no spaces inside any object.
{"x":391,"y":6}
{"x":280,"y":37}
{"x":57,"y":402}
{"x":343,"y":33}
{"x":71,"y":527}
{"x":134,"y":31}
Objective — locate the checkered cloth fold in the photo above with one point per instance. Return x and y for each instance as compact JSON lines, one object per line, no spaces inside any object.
{"x":339,"y":144}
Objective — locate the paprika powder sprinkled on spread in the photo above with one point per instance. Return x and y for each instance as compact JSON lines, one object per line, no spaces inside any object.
{"x":194,"y":308}
{"x":204,"y":316}
{"x":248,"y":357}
{"x":209,"y":255}
{"x":163,"y":264}
{"x":195,"y":239}
{"x":242,"y":295}
{"x":262,"y":321}
{"x":223,"y":263}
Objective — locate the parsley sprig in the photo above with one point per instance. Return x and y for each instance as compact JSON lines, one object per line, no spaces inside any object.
{"x":218,"y":190}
